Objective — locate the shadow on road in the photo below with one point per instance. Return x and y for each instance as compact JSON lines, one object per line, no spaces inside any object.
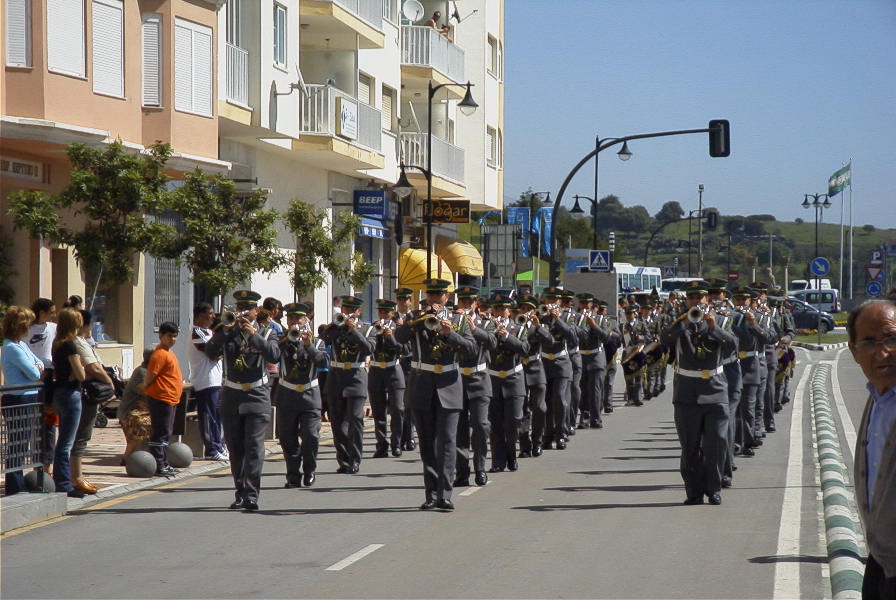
{"x":553,"y":507}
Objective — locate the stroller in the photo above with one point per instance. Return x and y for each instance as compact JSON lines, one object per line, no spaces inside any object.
{"x":107,"y":409}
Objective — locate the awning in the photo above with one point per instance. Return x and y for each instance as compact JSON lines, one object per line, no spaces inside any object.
{"x":412,"y":269}
{"x":460,"y":256}
{"x":374,"y":228}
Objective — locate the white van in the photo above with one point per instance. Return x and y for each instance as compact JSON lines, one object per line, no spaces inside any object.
{"x":808,"y":284}
{"x":826,"y":300}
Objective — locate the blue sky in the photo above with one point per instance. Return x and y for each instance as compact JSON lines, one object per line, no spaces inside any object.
{"x":806,"y":85}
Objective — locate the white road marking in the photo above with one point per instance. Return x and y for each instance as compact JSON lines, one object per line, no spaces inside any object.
{"x":354,"y":557}
{"x":849,"y":429}
{"x":787,"y":571}
{"x":469,"y":491}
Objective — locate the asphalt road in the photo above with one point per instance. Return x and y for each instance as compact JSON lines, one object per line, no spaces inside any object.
{"x":602,"y":519}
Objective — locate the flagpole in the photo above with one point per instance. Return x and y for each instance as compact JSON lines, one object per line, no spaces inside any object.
{"x":840,"y":284}
{"x":850,"y":231}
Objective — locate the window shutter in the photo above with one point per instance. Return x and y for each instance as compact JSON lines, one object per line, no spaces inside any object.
{"x":387,"y":109}
{"x":183,"y":67}
{"x":202,"y":71}
{"x":364,"y":88}
{"x":193,"y":83}
{"x":108,"y":49}
{"x":18,"y":33}
{"x":152,"y":60}
{"x":65,"y":37}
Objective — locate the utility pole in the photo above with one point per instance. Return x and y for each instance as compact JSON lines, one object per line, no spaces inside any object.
{"x":700,"y":231}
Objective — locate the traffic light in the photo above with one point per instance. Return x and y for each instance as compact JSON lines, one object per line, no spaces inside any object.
{"x":712,"y":219}
{"x":719,"y":138}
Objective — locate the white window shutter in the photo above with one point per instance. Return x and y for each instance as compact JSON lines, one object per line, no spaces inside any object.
{"x":18,"y":33}
{"x":193,"y":82}
{"x":202,"y":72}
{"x":387,"y":109}
{"x":108,"y":47}
{"x":152,"y":60}
{"x":364,"y":88}
{"x":65,"y":37}
{"x":183,"y":67}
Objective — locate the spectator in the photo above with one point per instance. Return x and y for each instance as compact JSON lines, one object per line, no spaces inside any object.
{"x":163,"y":387}
{"x":67,"y":396}
{"x":275,"y":308}
{"x":337,"y":305}
{"x":205,"y":376}
{"x":93,"y":371}
{"x":20,"y":366}
{"x":433,"y":22}
{"x":872,"y":340}
{"x":74,"y":301}
{"x":40,"y":340}
{"x":133,"y":412}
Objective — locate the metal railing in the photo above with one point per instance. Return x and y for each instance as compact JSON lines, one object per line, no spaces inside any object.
{"x":447,"y":159}
{"x":370,"y":11}
{"x":21,"y":430}
{"x":424,"y":46}
{"x":320,"y":116}
{"x":237,"y":74}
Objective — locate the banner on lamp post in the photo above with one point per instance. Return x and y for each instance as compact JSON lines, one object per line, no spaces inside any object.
{"x":519,"y":215}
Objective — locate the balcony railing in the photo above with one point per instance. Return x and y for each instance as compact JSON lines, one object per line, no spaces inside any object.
{"x":447,"y":159}
{"x":426,"y":47}
{"x":237,"y":75}
{"x":370,"y":11}
{"x":329,"y":111}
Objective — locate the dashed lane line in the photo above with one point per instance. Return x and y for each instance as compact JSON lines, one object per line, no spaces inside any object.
{"x":349,"y":560}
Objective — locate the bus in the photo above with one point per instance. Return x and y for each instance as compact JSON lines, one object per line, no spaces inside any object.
{"x":637,"y":279}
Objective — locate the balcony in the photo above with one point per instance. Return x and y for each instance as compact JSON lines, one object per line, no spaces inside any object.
{"x":338,"y":132}
{"x":341,"y":24}
{"x":428,"y":55}
{"x":447,"y":164}
{"x":237,"y":75}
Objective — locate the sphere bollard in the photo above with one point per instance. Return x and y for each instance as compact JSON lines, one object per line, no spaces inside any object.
{"x":179,"y":455}
{"x":33,"y":485}
{"x":140,"y":464}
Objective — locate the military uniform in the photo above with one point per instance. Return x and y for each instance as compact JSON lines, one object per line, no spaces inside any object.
{"x":298,"y":401}
{"x":435,"y":394}
{"x":386,"y":385}
{"x":407,"y":432}
{"x":726,"y":318}
{"x":558,"y":373}
{"x":594,"y":366}
{"x":535,"y":409}
{"x":575,"y":320}
{"x":635,"y":336}
{"x":347,"y":387}
{"x":611,"y":348}
{"x":245,"y":399}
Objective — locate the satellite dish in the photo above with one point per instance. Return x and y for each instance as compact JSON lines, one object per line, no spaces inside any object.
{"x":412,"y":10}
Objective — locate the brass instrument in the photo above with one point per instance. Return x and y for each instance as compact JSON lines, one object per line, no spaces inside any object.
{"x":229,"y":317}
{"x":340,"y":319}
{"x":296,"y":332}
{"x":381,"y":326}
{"x":521,"y":319}
{"x":696,"y":314}
{"x":432,"y":322}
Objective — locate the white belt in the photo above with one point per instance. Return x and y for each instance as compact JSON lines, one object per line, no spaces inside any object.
{"x":244,"y":386}
{"x":347,"y":365}
{"x":745,"y":354}
{"x":434,"y":368}
{"x":506,"y":374}
{"x":529,"y":359}
{"x":550,"y":356}
{"x":383,"y":365}
{"x":703,"y":374}
{"x":730,"y":360}
{"x":298,"y":387}
{"x":586,"y":352}
{"x":470,"y":370}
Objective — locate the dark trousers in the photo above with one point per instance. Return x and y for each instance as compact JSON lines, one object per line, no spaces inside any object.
{"x":876,"y":585}
{"x":534,"y":415}
{"x":608,"y":382}
{"x":437,"y":432}
{"x":592,"y":395}
{"x":575,"y":391}
{"x":387,"y":402}
{"x":347,"y":420}
{"x":473,"y":416}
{"x":557,"y":398}
{"x":769,"y":396}
{"x":746,"y":421}
{"x":506,"y":416}
{"x":208,"y":407}
{"x":703,"y":435}
{"x":244,"y":435}
{"x":299,"y":434}
{"x":161,"y":416}
{"x":732,"y":373}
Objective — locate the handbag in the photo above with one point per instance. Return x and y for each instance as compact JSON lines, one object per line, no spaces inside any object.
{"x":96,"y":392}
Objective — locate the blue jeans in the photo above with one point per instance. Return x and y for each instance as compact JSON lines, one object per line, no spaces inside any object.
{"x":208,"y":405}
{"x":67,"y":403}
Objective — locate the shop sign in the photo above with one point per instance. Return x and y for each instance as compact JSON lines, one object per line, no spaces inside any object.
{"x":450,"y":211}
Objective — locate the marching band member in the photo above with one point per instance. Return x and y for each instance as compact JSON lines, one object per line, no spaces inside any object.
{"x":594,"y":363}
{"x":700,"y":396}
{"x":764,"y":312}
{"x":784,"y":353}
{"x":575,"y":320}
{"x":402,"y":310}
{"x":725,"y":319}
{"x":611,"y":347}
{"x":535,"y":409}
{"x":386,"y":382}
{"x":558,"y":370}
{"x":347,"y":383}
{"x":634,"y":335}
{"x":652,"y":351}
{"x":435,"y":390}
{"x":477,"y":386}
{"x":298,"y":397}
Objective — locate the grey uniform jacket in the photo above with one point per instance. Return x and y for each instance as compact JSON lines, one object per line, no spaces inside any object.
{"x":591,"y":347}
{"x":506,"y":357}
{"x":477,"y":384}
{"x":385,"y":350}
{"x":298,"y":367}
{"x":751,"y":346}
{"x":244,"y":362}
{"x":532,"y":365}
{"x":554,"y":351}
{"x":879,"y":517}
{"x":347,"y":347}
{"x":433,"y":348}
{"x":698,"y":348}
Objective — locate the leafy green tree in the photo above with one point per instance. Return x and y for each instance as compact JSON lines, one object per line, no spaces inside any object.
{"x":226,"y":236}
{"x":318,"y":248}
{"x":7,"y":270}
{"x":671,"y":211}
{"x":101,"y":214}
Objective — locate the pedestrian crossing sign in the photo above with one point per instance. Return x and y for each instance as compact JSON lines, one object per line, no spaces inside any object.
{"x":599,"y":260}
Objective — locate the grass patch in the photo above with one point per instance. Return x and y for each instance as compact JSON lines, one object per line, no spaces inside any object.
{"x":834,"y":337}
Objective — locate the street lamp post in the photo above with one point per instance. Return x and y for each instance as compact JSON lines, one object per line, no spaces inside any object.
{"x":537,"y":271}
{"x":820,"y":202}
{"x":403,"y":187}
{"x":700,"y":235}
{"x":577,"y":210}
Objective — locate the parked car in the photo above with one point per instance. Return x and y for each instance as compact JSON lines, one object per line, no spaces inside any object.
{"x":805,"y":316}
{"x":828,"y":300}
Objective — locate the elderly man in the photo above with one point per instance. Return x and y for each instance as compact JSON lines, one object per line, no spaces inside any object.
{"x":872,"y":341}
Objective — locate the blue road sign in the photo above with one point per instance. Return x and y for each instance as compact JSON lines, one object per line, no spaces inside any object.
{"x":820,"y":266}
{"x":669,"y":271}
{"x":599,"y":260}
{"x":873,"y":288}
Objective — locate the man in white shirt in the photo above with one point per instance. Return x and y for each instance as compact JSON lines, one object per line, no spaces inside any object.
{"x":205,"y":376}
{"x":43,"y":330}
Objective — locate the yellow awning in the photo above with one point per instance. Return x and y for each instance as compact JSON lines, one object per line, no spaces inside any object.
{"x":412,"y":269}
{"x":460,"y":256}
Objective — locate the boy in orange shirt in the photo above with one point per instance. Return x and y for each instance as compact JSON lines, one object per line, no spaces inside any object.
{"x":162,"y":387}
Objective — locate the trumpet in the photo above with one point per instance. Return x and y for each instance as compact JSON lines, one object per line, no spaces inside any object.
{"x":521,"y":319}
{"x":696,"y":314}
{"x":296,"y":331}
{"x":381,"y":326}
{"x":340,"y":319}
{"x":432,"y":323}
{"x":229,"y":317}
{"x":544,"y":310}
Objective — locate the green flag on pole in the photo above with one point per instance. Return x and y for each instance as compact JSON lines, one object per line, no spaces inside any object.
{"x":840,"y":179}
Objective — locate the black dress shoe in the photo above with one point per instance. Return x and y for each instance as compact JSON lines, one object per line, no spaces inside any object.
{"x":308,"y":479}
{"x":237,"y":504}
{"x":381,"y":453}
{"x":582,"y":425}
{"x":410,"y":445}
{"x":428,"y":505}
{"x":536,"y":450}
{"x":344,"y":469}
{"x":748,"y":452}
{"x":726,"y":482}
{"x":396,"y":451}
{"x":771,"y":429}
{"x":525,"y":454}
{"x":757,"y":442}
{"x":481,"y":478}
{"x":571,"y":430}
{"x":693,"y":500}
{"x":715,"y":499}
{"x":608,"y":409}
{"x":512,"y":464}
{"x":443,"y":504}
{"x":548,"y":446}
{"x":462,"y":482}
{"x":638,"y":403}
{"x":250,"y":505}
{"x":354,"y":468}
{"x":597,"y":425}
{"x":561,"y":444}
{"x":292,"y":484}
{"x":496,"y":469}
{"x":778,"y":407}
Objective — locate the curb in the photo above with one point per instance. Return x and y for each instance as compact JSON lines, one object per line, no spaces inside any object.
{"x":823,"y":347}
{"x":841,"y":523}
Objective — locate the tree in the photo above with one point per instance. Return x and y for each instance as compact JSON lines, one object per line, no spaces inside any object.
{"x":226,"y":236}
{"x":112,"y":191}
{"x":318,"y":245}
{"x":671,"y":211}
